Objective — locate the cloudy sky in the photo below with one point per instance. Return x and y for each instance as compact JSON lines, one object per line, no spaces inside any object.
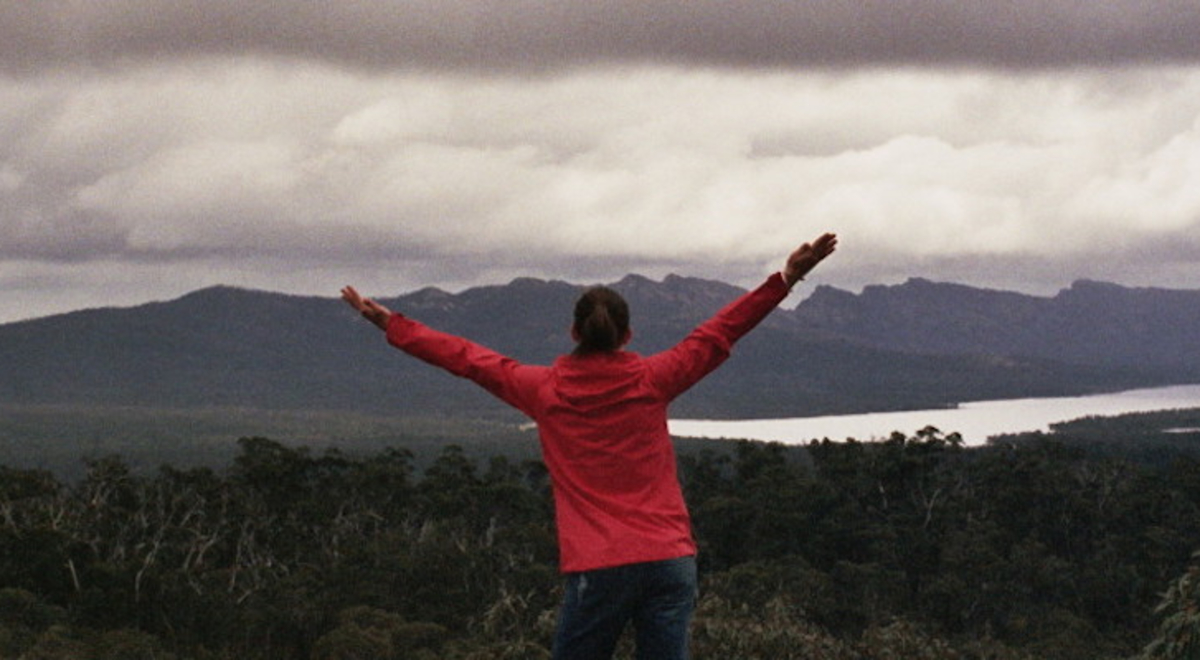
{"x":152,"y":147}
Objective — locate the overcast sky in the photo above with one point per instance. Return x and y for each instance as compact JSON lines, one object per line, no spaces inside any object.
{"x":149,"y":148}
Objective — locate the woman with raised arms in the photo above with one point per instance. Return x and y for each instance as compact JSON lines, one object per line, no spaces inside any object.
{"x":625,"y":538}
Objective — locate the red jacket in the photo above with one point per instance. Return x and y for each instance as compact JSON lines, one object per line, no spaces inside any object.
{"x":602,"y":423}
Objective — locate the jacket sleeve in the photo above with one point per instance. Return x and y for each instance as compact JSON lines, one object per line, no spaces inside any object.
{"x":676,"y":369}
{"x":507,"y":379}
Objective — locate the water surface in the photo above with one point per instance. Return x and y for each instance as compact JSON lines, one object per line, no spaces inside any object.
{"x":976,"y":420}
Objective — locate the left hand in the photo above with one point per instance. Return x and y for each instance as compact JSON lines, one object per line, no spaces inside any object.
{"x":371,"y":310}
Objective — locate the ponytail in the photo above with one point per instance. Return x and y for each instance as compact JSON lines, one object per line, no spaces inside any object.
{"x":601,"y":321}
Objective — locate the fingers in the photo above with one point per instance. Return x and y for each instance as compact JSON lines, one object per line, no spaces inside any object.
{"x":820,"y":248}
{"x":823,"y":246}
{"x":806,"y":257}
{"x":371,"y":310}
{"x":351,"y":296}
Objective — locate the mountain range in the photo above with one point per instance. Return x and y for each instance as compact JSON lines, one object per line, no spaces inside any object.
{"x":919,"y":344}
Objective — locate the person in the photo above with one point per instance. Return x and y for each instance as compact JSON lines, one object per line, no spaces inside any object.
{"x":625,"y":541}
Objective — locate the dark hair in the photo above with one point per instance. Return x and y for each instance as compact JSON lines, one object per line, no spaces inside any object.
{"x":601,"y":320}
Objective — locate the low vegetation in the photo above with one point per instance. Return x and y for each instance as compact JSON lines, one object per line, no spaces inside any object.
{"x":915,"y":547}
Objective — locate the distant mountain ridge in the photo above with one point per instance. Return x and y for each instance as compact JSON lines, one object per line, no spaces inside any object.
{"x":1094,"y":323}
{"x":913,"y":345}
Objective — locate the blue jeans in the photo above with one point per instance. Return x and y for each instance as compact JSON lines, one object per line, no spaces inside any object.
{"x":658,"y":597}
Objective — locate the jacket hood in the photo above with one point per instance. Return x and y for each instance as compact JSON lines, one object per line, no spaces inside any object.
{"x":589,"y":381}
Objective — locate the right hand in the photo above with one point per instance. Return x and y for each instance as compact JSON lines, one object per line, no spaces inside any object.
{"x":806,"y":257}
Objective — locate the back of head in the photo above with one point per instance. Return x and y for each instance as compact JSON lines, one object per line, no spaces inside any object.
{"x":601,"y":321}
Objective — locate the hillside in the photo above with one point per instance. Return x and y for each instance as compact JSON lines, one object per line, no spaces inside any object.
{"x":1090,"y":323}
{"x":919,"y":344}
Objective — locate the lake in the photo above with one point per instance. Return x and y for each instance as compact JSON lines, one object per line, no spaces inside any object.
{"x":975,"y":420}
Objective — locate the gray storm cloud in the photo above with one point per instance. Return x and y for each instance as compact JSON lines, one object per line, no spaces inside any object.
{"x":148,"y":148}
{"x":540,"y":34}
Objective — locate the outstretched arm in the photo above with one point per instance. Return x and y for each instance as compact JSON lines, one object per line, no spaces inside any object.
{"x":676,"y":369}
{"x":371,"y":310}
{"x":504,"y":377}
{"x":807,"y":256}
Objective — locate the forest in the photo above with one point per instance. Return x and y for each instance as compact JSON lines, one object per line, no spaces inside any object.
{"x":913,"y":547}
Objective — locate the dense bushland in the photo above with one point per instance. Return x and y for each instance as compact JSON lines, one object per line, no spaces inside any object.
{"x":914,"y":547}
